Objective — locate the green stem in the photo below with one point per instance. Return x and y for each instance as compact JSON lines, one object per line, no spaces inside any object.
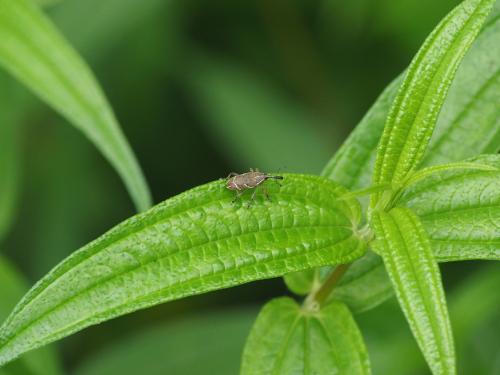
{"x":319,"y":297}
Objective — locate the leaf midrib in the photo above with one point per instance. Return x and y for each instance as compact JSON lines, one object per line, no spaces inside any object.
{"x":100,"y":245}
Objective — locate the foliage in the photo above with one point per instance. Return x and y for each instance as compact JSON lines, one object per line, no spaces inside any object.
{"x":391,"y":204}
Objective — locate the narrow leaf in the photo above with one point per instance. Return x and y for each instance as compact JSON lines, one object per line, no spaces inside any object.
{"x":40,"y":362}
{"x":289,"y":340}
{"x":35,"y":53}
{"x":460,"y":211}
{"x":413,"y":115}
{"x":194,"y":344}
{"x":406,"y":250}
{"x":190,"y":244}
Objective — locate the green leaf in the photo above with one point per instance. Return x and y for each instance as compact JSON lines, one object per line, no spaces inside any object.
{"x":40,"y":362}
{"x":289,"y":340}
{"x":190,"y":244}
{"x":406,"y":250}
{"x":471,"y":114}
{"x":194,"y":344}
{"x":415,"y":110}
{"x":352,"y":164}
{"x":254,"y":121}
{"x":460,"y":210}
{"x":35,"y":53}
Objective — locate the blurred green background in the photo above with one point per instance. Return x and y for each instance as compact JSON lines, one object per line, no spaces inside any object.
{"x":202,"y":88}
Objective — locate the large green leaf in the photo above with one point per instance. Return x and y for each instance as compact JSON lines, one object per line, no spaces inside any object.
{"x":460,"y":211}
{"x":35,"y":53}
{"x":197,"y":344}
{"x":406,"y":250}
{"x":413,"y":115}
{"x":39,"y":362}
{"x":193,"y":243}
{"x":288,"y":339}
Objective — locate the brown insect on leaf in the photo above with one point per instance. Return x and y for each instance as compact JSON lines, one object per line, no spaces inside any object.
{"x":249,"y":180}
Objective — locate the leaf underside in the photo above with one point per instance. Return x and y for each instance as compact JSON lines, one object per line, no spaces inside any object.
{"x":193,"y":243}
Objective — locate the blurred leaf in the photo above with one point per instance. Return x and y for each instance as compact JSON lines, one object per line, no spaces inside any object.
{"x":191,"y":345}
{"x":287,"y":339}
{"x":10,"y":131}
{"x":34,"y":52}
{"x":39,"y":362}
{"x":254,"y":121}
{"x":413,"y":115}
{"x":46,"y":3}
{"x":107,"y":22}
{"x":460,"y":211}
{"x":190,"y":244}
{"x":403,"y":244}
{"x":302,"y":282}
{"x":352,"y":164}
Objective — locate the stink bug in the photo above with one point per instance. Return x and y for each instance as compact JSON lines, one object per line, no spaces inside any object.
{"x":248,"y":180}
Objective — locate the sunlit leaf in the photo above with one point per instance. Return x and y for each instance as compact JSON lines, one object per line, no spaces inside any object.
{"x":287,"y":339}
{"x":413,"y":115}
{"x":193,"y":243}
{"x":35,"y":53}
{"x":39,"y":362}
{"x":197,"y":344}
{"x":406,"y":250}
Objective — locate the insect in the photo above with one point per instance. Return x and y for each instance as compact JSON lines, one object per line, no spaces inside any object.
{"x":248,"y":180}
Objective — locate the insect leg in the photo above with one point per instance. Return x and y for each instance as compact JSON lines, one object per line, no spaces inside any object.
{"x":232,"y":174}
{"x":264,"y":190}
{"x":238,"y":195}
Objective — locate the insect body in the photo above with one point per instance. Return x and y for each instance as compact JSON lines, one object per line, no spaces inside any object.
{"x":249,"y":180}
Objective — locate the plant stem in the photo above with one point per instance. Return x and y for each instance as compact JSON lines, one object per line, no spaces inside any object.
{"x":320,"y":296}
